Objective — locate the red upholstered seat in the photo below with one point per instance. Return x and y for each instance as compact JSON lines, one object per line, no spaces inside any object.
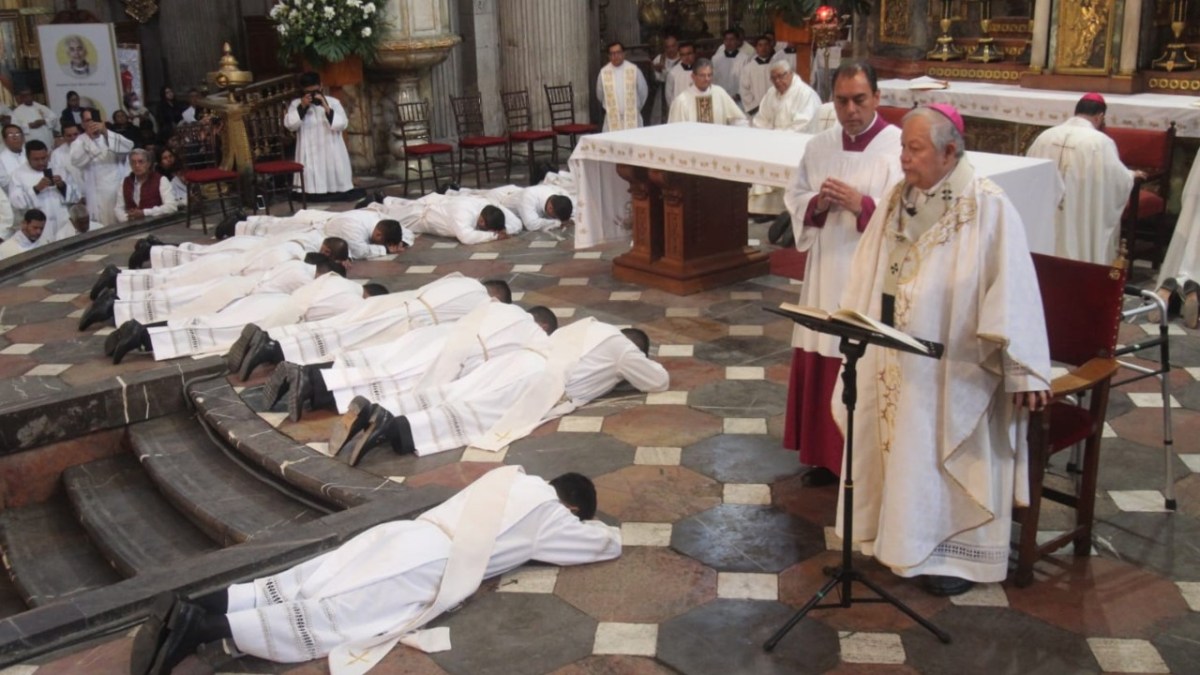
{"x":1150,"y":204}
{"x":278,"y":166}
{"x":1145,"y":224}
{"x":1069,"y":424}
{"x":531,"y":135}
{"x":576,"y":128}
{"x":892,"y":114}
{"x":424,"y":149}
{"x":482,"y":141}
{"x":210,"y":175}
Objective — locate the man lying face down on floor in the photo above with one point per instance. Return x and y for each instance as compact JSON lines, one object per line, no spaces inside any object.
{"x":381,"y":587}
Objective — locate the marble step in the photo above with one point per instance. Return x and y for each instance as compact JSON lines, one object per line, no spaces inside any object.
{"x":128,"y":519}
{"x":212,"y":491}
{"x":48,"y":555}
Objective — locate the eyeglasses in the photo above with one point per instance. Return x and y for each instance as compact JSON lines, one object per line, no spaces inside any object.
{"x":13,"y":135}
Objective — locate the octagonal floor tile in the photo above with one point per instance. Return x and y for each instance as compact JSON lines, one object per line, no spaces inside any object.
{"x":590,"y":454}
{"x":615,"y":665}
{"x":733,"y":458}
{"x":662,"y":425}
{"x":740,"y":398}
{"x":689,"y":373}
{"x":747,"y":538}
{"x":656,"y":494}
{"x":815,"y":504}
{"x":644,"y":585}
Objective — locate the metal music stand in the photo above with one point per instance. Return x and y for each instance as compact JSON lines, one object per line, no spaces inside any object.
{"x":854,"y":341}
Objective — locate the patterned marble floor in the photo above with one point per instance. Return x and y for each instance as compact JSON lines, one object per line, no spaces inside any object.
{"x":722,"y":543}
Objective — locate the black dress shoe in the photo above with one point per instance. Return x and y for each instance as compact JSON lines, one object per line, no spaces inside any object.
{"x":110,"y":342}
{"x":236,"y":353}
{"x":183,"y":637}
{"x":376,"y":433}
{"x":228,"y":225}
{"x":100,"y":310}
{"x":299,"y":392}
{"x":153,"y":633}
{"x":278,"y":383}
{"x":379,"y":196}
{"x":133,"y":335}
{"x":944,"y":586}
{"x":818,"y":476}
{"x":107,"y":279}
{"x":262,"y":350}
{"x":783,"y":223}
{"x":357,"y":418}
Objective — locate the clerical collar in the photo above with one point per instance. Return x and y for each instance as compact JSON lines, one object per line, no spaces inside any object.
{"x":761,"y":61}
{"x":685,"y":66}
{"x":862,"y":140}
{"x":731,"y":54}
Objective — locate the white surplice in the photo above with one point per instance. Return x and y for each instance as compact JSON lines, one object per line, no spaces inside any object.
{"x":18,"y":243}
{"x":1087,"y":223}
{"x":940,"y":454}
{"x":621,"y":91}
{"x":51,"y":201}
{"x":9,"y":162}
{"x":793,"y":111}
{"x":754,"y":83}
{"x":60,"y":164}
{"x":103,"y":163}
{"x":383,"y":581}
{"x":831,"y":248}
{"x":727,"y":70}
{"x":320,"y":147}
{"x":1182,"y":260}
{"x":712,"y":105}
{"x":679,"y":79}
{"x":25,"y":115}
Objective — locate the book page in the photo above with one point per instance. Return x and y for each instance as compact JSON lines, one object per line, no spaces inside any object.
{"x":926,"y":83}
{"x":814,"y":312}
{"x":854,"y":318}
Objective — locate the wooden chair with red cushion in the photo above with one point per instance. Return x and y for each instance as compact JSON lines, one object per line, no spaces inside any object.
{"x":561,"y":100}
{"x":269,"y":148}
{"x":1145,"y":217}
{"x":472,"y":138}
{"x":419,"y":148}
{"x":892,"y":114}
{"x":517,"y":119}
{"x":199,"y":146}
{"x":1082,"y":304}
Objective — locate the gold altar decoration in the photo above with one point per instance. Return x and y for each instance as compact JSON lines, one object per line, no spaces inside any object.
{"x":228,"y":74}
{"x":1176,"y":56}
{"x":1085,"y":44}
{"x":986,"y":51}
{"x":141,"y":10}
{"x":895,"y":16}
{"x":945,"y":49}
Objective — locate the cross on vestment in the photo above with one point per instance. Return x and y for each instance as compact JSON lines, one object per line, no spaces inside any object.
{"x":1062,"y":167}
{"x":704,"y":109}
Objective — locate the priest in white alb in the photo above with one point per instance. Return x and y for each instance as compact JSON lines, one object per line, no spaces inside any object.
{"x":1097,"y":185}
{"x":788,"y":105}
{"x":353,"y":604}
{"x":470,"y":219}
{"x":101,"y":157}
{"x":844,"y":173}
{"x":31,"y":188}
{"x":318,"y":121}
{"x":705,"y":101}
{"x":755,"y":81}
{"x":539,"y":207}
{"x":728,"y":62}
{"x":679,"y":77}
{"x":621,"y":90}
{"x":940,"y":452}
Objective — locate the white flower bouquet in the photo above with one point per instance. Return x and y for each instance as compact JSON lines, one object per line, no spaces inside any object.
{"x":327,"y":31}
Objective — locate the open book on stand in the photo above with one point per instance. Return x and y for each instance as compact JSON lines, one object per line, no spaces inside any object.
{"x":858,"y":320}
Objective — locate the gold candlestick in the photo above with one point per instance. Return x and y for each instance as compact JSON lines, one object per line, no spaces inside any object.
{"x":945,"y":49}
{"x":986,"y":52}
{"x":1175,"y":57}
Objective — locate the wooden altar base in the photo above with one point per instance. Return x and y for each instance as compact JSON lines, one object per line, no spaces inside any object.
{"x":689,"y":232}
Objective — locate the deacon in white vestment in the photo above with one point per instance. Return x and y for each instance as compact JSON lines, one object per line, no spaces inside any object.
{"x":843,"y":174}
{"x":755,"y":81}
{"x":467,"y":218}
{"x":100,"y":156}
{"x":353,"y":604}
{"x":940,"y":449}
{"x":25,"y":239}
{"x":1087,"y":223}
{"x":727,"y":64}
{"x":538,"y":207}
{"x":679,"y":77}
{"x":30,"y":188}
{"x":38,"y":122}
{"x":621,"y":90}
{"x":705,"y":101}
{"x":788,"y":105}
{"x":368,"y":232}
{"x":318,"y":122}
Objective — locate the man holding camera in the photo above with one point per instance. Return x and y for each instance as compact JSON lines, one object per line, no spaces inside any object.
{"x":318,"y":122}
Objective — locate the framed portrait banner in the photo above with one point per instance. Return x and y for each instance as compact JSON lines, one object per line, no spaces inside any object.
{"x":1084,"y":37}
{"x":81,"y":58}
{"x":129,"y":62}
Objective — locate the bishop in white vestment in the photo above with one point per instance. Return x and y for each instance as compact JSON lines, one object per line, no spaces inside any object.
{"x":622,"y":91}
{"x":1087,"y":223}
{"x":318,"y":122}
{"x":706,"y":102}
{"x":940,"y":451}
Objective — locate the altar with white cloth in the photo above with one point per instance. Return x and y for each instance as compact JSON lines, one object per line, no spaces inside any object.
{"x":655,"y":163}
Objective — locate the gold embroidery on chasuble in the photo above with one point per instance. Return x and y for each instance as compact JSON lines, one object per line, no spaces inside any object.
{"x":704,"y":109}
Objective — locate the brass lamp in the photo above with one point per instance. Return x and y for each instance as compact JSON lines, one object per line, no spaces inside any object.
{"x":1176,"y":57}
{"x":945,"y":49}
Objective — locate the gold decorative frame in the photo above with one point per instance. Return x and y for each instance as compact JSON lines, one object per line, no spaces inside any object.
{"x":1084,"y":37}
{"x":895,"y":17}
{"x":31,"y":18}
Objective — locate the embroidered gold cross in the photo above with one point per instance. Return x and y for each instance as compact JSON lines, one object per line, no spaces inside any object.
{"x":360,"y":657}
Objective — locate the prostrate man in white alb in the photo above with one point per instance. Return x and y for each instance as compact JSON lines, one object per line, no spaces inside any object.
{"x":728,"y":62}
{"x":35,"y":185}
{"x":504,"y":399}
{"x":100,"y":156}
{"x":1087,"y":223}
{"x":940,"y":451}
{"x":369,"y":233}
{"x":679,"y":77}
{"x":356,"y":602}
{"x":318,"y":122}
{"x":755,"y":81}
{"x":662,"y":65}
{"x":28,"y":237}
{"x":789,"y":105}
{"x":621,"y":90}
{"x":539,"y":207}
{"x":845,"y":172}
{"x":467,"y":218}
{"x":38,"y":122}
{"x":144,"y":193}
{"x":705,"y":101}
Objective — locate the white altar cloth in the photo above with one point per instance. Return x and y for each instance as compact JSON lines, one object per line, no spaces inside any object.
{"x":1011,"y":103}
{"x":765,"y":157}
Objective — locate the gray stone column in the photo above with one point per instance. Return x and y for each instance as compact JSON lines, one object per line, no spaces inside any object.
{"x":487,"y":63}
{"x":552,"y":54}
{"x":446,"y":80}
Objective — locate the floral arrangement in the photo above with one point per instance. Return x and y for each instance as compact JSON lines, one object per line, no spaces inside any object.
{"x":328,"y":31}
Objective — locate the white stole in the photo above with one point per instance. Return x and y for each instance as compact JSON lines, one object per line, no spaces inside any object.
{"x":621,"y":117}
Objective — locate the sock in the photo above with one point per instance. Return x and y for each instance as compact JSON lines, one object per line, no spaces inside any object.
{"x":403,"y":442}
{"x":216,"y":602}
{"x":321,"y":396}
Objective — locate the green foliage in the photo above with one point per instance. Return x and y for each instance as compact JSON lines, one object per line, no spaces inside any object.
{"x":328,"y":31}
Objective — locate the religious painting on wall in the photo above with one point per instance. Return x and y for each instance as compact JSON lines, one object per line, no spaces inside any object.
{"x":1084,"y":35}
{"x":81,"y":58}
{"x":894,"y":17}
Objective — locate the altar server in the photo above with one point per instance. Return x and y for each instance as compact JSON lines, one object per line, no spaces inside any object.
{"x":100,"y":156}
{"x":727,"y":63}
{"x":843,"y":172}
{"x":940,"y":449}
{"x":28,"y":237}
{"x":679,"y":77}
{"x":356,"y":602}
{"x":755,"y":81}
{"x":318,"y":121}
{"x":1087,"y":223}
{"x":621,"y":90}
{"x":705,"y":101}
{"x":34,"y":185}
{"x":788,"y":105}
